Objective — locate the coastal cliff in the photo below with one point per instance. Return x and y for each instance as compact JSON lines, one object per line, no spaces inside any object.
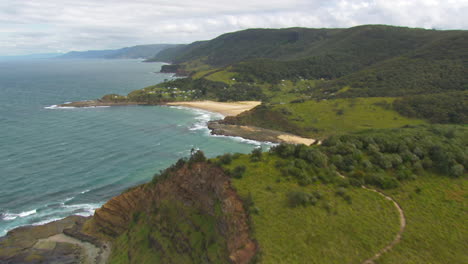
{"x":188,"y":214}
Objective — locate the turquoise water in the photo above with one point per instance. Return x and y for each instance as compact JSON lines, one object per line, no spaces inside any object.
{"x":58,"y":162}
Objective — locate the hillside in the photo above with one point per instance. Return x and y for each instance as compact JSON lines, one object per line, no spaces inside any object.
{"x":398,"y":192}
{"x":309,"y":53}
{"x":412,"y":66}
{"x":135,"y":52}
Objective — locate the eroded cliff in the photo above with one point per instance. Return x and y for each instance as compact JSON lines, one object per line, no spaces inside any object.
{"x":190,"y":215}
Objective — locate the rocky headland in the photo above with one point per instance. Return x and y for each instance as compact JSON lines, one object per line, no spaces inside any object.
{"x":189,"y":212}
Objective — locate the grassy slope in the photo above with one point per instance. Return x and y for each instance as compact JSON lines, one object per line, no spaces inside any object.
{"x":346,"y":234}
{"x":178,"y":234}
{"x":329,"y":117}
{"x":357,"y":114}
{"x":436,"y":222}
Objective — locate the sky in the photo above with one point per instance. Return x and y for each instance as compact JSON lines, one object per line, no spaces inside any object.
{"x":47,"y":26}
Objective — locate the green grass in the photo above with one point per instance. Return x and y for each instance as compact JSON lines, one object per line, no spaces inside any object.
{"x":346,"y":233}
{"x":339,"y":116}
{"x":436,"y":215}
{"x":287,"y":91}
{"x":320,"y":119}
{"x":222,"y":76}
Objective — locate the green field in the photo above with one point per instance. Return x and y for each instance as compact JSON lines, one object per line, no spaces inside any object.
{"x":332,"y":231}
{"x":319,"y":119}
{"x":436,"y":215}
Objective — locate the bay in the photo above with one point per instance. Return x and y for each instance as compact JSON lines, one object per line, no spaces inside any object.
{"x":58,"y":162}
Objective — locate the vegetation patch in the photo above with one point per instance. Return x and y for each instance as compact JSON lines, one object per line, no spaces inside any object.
{"x":326,"y":117}
{"x":175,"y":233}
{"x":320,"y":227}
{"x":435,"y":210}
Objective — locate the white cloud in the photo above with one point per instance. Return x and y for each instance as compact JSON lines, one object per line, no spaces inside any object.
{"x":31,"y":26}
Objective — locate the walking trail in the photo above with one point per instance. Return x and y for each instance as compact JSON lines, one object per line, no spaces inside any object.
{"x":397,"y":238}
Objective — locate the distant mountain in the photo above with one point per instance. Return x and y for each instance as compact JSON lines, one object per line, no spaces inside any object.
{"x":135,"y":52}
{"x":31,"y":56}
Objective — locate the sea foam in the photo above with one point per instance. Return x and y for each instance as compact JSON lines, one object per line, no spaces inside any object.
{"x":12,"y":216}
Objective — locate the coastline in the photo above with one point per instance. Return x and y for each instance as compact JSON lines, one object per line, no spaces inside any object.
{"x":258,"y":134}
{"x":96,"y":103}
{"x":216,"y":127}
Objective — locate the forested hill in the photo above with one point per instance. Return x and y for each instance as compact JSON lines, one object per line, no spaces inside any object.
{"x":368,"y":44}
{"x":135,"y":52}
{"x":369,"y":60}
{"x":425,"y":72}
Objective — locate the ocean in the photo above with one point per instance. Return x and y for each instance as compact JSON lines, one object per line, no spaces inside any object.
{"x":56,"y":162}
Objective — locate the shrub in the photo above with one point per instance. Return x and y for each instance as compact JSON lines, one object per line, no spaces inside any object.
{"x":340,"y":191}
{"x":284,"y":150}
{"x":256,"y":155}
{"x":197,"y":156}
{"x":457,"y":170}
{"x":296,"y":199}
{"x":238,"y":171}
{"x":225,"y":159}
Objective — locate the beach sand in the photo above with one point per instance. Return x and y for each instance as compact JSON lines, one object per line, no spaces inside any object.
{"x":235,"y":108}
{"x":224,"y":108}
{"x":296,"y":139}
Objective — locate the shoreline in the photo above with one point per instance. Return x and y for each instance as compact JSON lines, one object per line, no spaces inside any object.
{"x":215,"y":127}
{"x":258,"y":134}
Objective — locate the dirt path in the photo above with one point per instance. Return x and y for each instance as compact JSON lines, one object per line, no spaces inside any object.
{"x":92,"y":254}
{"x":397,"y":238}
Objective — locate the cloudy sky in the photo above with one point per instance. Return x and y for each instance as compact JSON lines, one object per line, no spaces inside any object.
{"x":42,"y":26}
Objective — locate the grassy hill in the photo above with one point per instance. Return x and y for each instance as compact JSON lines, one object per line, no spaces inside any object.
{"x":307,"y":204}
{"x":363,"y":61}
{"x":320,"y":119}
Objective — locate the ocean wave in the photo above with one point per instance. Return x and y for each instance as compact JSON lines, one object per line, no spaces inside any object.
{"x":248,"y":141}
{"x":12,"y":216}
{"x":82,"y":209}
{"x":203,"y":117}
{"x":97,"y":106}
{"x":46,"y":221}
{"x":73,"y":107}
{"x":59,"y":107}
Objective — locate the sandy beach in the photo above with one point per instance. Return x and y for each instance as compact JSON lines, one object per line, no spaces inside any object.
{"x":249,"y":132}
{"x":296,"y":139}
{"x":224,"y":108}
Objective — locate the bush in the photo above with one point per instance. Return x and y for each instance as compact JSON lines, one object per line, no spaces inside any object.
{"x":256,"y":155}
{"x":197,"y":156}
{"x":296,"y":199}
{"x":284,"y":150}
{"x":225,"y":159}
{"x":238,"y":171}
{"x":457,"y":170}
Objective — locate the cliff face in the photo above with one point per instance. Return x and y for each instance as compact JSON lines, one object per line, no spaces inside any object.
{"x":194,"y":215}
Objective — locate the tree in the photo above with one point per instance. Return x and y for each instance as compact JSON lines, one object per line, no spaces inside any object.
{"x":256,"y":154}
{"x":238,"y":171}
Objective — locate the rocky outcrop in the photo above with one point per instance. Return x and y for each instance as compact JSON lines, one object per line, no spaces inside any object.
{"x":257,"y":133}
{"x":54,"y":242}
{"x":199,"y":186}
{"x":191,"y":211}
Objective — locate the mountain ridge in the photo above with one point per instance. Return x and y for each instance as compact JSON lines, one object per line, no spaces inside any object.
{"x":133,"y":52}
